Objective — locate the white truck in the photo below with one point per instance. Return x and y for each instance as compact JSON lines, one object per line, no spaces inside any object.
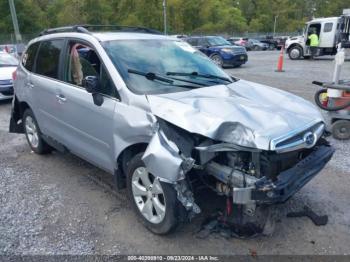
{"x":331,"y":31}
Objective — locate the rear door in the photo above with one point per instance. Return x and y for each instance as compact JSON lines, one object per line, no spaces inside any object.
{"x":203,"y":46}
{"x":23,"y":85}
{"x":44,"y":82}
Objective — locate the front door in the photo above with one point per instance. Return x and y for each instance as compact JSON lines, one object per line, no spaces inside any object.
{"x":89,"y":127}
{"x":327,"y":35}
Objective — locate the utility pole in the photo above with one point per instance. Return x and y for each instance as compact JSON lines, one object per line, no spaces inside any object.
{"x":274,"y":26}
{"x":164,"y":15}
{"x":15,"y":21}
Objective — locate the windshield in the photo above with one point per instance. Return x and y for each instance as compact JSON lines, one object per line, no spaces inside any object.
{"x":218,"y":41}
{"x":8,"y":60}
{"x":154,"y":66}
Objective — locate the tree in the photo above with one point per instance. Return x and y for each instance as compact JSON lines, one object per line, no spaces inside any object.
{"x":184,"y":16}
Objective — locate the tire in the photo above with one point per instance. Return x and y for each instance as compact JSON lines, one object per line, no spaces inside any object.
{"x":295,"y":53}
{"x":33,"y":134}
{"x":256,"y":48}
{"x":217,"y":60}
{"x":341,"y":129}
{"x":156,"y":221}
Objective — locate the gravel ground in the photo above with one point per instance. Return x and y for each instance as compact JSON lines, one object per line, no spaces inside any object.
{"x":60,"y":204}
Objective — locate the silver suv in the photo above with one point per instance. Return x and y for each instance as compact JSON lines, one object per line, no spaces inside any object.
{"x":165,"y":121}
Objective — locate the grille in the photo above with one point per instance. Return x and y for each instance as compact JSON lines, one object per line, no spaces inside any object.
{"x":299,"y":139}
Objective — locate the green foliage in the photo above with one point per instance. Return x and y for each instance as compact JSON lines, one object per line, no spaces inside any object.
{"x":184,"y":16}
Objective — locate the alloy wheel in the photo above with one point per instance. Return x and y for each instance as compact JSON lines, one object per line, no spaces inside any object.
{"x":148,"y":195}
{"x":217,"y":60}
{"x":32,"y":132}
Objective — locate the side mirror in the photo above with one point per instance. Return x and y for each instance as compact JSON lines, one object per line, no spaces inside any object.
{"x":91,"y":84}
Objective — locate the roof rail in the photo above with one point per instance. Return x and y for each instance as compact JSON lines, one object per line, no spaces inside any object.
{"x":85,"y":29}
{"x":73,"y":28}
{"x":121,"y":28}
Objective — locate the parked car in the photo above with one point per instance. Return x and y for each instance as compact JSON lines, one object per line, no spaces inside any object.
{"x":179,"y":36}
{"x":8,"y":65}
{"x":281,"y":41}
{"x":256,"y":45}
{"x":270,"y":41}
{"x":165,"y":120}
{"x":241,"y":42}
{"x":222,"y":52}
{"x":8,"y":48}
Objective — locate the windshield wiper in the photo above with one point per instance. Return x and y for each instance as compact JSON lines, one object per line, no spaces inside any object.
{"x":209,"y":76}
{"x":169,"y":80}
{"x":151,"y":76}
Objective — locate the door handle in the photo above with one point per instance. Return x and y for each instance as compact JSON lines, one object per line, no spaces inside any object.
{"x":29,"y":85}
{"x":61,"y":98}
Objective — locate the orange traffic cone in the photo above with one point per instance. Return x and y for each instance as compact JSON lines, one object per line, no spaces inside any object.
{"x":280,"y":61}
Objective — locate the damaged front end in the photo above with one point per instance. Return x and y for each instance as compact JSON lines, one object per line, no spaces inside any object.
{"x":249,"y":177}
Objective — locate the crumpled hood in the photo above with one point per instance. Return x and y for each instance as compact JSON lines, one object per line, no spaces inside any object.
{"x":243,"y":113}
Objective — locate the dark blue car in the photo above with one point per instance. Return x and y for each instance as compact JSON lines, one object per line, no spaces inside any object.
{"x":222,"y":52}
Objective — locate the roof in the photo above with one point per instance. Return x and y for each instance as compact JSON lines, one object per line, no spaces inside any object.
{"x":324,"y":19}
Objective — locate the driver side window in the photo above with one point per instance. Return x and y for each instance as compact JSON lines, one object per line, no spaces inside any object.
{"x":82,"y":61}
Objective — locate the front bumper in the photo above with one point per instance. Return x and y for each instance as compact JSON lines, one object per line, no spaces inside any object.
{"x":288,"y":182}
{"x":6,"y":90}
{"x":234,"y":60}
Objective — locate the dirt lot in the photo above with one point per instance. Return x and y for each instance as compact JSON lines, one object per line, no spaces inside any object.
{"x":59,"y":204}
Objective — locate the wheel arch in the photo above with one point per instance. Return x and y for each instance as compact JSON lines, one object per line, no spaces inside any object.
{"x":18,"y":108}
{"x":217,"y":52}
{"x":123,"y":159}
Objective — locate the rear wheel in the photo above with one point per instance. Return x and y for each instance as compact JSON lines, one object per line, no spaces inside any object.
{"x":295,"y":53}
{"x":256,"y":48}
{"x":33,"y":134}
{"x":341,"y":129}
{"x":154,"y":202}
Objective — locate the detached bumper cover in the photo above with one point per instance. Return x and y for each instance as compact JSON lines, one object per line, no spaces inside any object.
{"x":16,"y":126}
{"x":293,"y":179}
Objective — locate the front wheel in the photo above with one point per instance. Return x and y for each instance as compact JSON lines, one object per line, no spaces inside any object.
{"x":217,"y":60}
{"x":154,"y":202}
{"x":295,"y":53}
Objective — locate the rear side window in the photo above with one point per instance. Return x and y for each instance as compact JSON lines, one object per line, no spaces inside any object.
{"x":202,"y":42}
{"x":29,"y":56}
{"x":192,"y":41}
{"x":328,"y":27}
{"x":47,"y":63}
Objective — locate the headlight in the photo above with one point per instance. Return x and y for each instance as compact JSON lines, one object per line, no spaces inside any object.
{"x":227,"y":50}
